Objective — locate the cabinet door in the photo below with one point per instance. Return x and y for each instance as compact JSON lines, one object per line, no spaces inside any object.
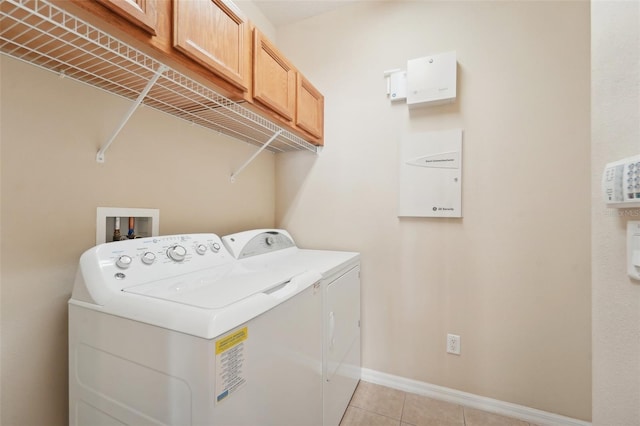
{"x":217,"y":35}
{"x":142,"y":13}
{"x":309,"y":108}
{"x":274,"y":78}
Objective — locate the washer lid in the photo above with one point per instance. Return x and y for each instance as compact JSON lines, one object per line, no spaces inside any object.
{"x":217,"y":288}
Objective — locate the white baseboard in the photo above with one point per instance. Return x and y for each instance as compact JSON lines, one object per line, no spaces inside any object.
{"x":508,"y":409}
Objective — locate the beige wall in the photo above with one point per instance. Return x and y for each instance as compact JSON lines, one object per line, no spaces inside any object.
{"x":512,"y":277}
{"x":615,"y":134}
{"x":51,"y":129}
{"x":255,"y":15}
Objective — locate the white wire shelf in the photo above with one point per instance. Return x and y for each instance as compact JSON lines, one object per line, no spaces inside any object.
{"x":42,"y":34}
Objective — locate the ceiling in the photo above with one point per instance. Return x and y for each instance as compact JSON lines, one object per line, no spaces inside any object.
{"x":283,"y":12}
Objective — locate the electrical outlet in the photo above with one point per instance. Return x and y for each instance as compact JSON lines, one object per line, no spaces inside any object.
{"x":453,"y":344}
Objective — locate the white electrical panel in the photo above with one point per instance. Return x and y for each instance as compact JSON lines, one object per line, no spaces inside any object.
{"x":431,"y":175}
{"x":432,"y":80}
{"x":621,"y":183}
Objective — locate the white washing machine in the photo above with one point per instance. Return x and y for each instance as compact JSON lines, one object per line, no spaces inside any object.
{"x":265,"y":250}
{"x":175,"y":330}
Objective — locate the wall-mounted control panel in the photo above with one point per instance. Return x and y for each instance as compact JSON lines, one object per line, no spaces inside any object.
{"x":621,"y":183}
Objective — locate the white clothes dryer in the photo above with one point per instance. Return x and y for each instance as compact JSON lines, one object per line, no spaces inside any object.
{"x":174,"y":330}
{"x":270,"y":249}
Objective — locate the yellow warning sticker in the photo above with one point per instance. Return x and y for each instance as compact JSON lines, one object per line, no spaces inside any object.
{"x":231,"y":358}
{"x":231,"y":340}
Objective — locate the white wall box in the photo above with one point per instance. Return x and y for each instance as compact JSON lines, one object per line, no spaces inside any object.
{"x":633,"y":249}
{"x":432,"y":80}
{"x":146,"y":222}
{"x":396,"y":85}
{"x":431,"y":174}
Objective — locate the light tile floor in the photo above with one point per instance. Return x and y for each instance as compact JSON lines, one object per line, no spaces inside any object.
{"x":375,"y":405}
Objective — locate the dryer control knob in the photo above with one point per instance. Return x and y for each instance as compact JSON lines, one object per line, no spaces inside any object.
{"x":270,"y":240}
{"x":148,"y":258}
{"x":177,"y":253}
{"x":215,"y":247}
{"x":201,"y":249}
{"x":123,"y":261}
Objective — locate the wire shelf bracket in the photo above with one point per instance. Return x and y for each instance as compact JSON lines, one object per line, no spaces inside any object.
{"x":246,"y":163}
{"x":132,"y":109}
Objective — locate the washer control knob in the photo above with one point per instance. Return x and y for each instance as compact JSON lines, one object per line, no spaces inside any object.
{"x":270,"y":240}
{"x":201,"y":249}
{"x":148,"y":258}
{"x":123,"y":261}
{"x":177,"y":253}
{"x":215,"y":247}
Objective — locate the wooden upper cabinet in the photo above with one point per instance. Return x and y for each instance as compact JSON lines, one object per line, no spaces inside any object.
{"x":274,"y":78}
{"x":215,"y":34}
{"x":309,"y":108}
{"x":212,"y":40}
{"x":143,"y":13}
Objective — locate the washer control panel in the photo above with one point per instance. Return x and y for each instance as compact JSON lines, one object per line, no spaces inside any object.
{"x":132,"y":262}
